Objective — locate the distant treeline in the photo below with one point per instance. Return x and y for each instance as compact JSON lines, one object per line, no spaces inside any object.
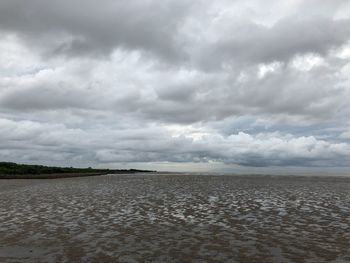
{"x":8,"y":168}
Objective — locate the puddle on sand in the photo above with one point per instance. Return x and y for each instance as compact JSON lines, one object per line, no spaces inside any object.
{"x":175,"y":218}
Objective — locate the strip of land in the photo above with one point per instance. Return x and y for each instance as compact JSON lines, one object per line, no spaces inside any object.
{"x":9,"y":170}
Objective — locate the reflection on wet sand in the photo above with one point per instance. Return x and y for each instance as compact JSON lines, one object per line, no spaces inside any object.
{"x":175,"y":218}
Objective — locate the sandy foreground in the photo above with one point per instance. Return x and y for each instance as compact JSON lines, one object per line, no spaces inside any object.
{"x":175,"y":218}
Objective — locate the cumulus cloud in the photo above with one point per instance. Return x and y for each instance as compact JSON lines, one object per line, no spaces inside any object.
{"x":29,"y":140}
{"x":253,"y":84}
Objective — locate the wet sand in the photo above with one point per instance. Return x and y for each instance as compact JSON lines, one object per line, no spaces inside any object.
{"x":175,"y":218}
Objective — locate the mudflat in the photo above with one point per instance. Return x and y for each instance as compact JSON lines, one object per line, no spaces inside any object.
{"x":175,"y":218}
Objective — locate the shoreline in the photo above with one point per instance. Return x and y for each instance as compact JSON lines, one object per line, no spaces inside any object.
{"x":48,"y":176}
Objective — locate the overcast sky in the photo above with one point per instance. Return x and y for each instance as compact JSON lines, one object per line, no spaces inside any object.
{"x":255,"y":86}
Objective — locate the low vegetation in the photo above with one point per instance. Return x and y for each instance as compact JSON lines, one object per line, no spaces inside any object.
{"x":13,"y":169}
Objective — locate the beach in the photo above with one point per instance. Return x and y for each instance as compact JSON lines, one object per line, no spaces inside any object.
{"x":175,"y":218}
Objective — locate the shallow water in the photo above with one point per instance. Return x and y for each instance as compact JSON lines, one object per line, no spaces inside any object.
{"x":175,"y":218}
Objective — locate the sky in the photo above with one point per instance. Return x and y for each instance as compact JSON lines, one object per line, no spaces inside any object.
{"x":234,"y":86}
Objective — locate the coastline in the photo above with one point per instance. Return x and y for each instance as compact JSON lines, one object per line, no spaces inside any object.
{"x":48,"y":176}
{"x":10,"y":170}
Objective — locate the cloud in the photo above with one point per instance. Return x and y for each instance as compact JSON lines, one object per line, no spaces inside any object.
{"x":29,"y":140}
{"x":176,"y":31}
{"x":249,"y":43}
{"x":253,"y":84}
{"x":132,"y":87}
{"x":345,"y":135}
{"x":60,"y":27}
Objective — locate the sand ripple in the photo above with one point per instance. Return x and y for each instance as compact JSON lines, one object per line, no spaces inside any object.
{"x":175,"y":218}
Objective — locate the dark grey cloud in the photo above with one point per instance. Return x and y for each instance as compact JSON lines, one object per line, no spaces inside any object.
{"x":90,"y":27}
{"x":253,"y":84}
{"x":42,"y":98}
{"x":165,"y":29}
{"x":253,"y":43}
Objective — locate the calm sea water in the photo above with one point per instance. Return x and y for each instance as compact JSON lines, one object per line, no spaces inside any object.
{"x":175,"y":218}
